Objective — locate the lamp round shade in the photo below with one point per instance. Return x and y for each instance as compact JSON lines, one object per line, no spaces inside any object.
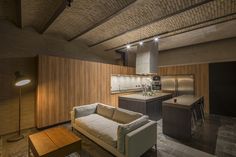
{"x":21,"y":80}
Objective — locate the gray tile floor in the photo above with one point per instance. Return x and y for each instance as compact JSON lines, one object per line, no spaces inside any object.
{"x":216,"y":137}
{"x":226,"y":141}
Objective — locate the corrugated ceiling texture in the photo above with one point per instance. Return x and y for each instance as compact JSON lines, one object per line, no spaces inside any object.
{"x":83,"y":14}
{"x":8,"y":10}
{"x":36,"y":13}
{"x":143,"y":12}
{"x":202,"y":25}
{"x":202,"y":13}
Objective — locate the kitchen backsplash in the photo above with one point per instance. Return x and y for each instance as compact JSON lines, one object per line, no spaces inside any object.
{"x":122,"y":83}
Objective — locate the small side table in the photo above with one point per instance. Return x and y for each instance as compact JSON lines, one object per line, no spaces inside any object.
{"x":58,"y":142}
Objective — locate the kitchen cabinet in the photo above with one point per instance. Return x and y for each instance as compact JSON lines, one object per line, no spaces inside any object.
{"x":148,"y":105}
{"x":177,"y":115}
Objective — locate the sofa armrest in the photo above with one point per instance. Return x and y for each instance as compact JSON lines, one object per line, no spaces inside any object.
{"x":140,"y":140}
{"x":84,"y":110}
{"x":124,"y":129}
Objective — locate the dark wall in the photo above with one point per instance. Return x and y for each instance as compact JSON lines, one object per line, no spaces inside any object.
{"x":222,"y":88}
{"x":9,"y":93}
{"x":26,"y":42}
{"x":8,"y":67}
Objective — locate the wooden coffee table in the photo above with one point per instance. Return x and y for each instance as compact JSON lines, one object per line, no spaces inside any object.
{"x":54,"y":142}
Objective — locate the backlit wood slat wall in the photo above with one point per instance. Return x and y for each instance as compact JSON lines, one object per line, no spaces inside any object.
{"x":201,"y":73}
{"x":64,"y":83}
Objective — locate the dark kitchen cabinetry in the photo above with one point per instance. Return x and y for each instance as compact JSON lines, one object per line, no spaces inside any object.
{"x":177,"y":115}
{"x":148,"y":105}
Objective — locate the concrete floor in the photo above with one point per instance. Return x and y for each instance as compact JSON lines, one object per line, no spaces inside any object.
{"x":217,"y":137}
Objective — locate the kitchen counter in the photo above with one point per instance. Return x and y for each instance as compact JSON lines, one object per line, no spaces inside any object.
{"x":185,"y":101}
{"x":179,"y":116}
{"x":126,"y":91}
{"x":148,"y":105}
{"x":141,"y":97}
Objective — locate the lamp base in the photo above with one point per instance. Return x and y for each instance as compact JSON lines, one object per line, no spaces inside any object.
{"x":15,"y":138}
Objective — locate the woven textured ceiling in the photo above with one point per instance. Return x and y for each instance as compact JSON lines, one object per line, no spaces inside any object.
{"x":8,"y":10}
{"x":124,"y":21}
{"x":143,"y":12}
{"x":146,"y":15}
{"x":194,"y":16}
{"x":84,"y":14}
{"x":37,"y":12}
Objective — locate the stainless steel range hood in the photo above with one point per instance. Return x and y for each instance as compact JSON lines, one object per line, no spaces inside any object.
{"x":146,"y":58}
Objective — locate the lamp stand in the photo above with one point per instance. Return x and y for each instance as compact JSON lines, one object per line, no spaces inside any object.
{"x":19,"y":136}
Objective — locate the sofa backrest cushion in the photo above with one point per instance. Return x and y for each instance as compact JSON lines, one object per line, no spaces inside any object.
{"x":125,"y":116}
{"x":105,"y":110}
{"x":124,"y":129}
{"x":85,"y":110}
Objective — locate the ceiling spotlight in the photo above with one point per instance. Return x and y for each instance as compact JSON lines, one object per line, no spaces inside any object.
{"x":128,"y":46}
{"x":69,"y":2}
{"x":156,"y":39}
{"x":141,"y":43}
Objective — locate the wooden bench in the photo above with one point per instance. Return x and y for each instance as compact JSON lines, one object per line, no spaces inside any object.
{"x":58,"y":142}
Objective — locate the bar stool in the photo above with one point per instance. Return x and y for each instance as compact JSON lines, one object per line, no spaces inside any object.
{"x":198,"y":111}
{"x":195,"y":112}
{"x":193,"y":119}
{"x":202,"y":109}
{"x":193,"y":124}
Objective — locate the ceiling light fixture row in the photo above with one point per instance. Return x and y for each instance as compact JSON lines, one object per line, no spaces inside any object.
{"x":156,"y":39}
{"x":128,"y":46}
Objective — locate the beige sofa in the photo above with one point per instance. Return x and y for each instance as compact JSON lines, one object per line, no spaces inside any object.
{"x":123,"y":133}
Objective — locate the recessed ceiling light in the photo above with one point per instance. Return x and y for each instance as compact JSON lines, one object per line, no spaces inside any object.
{"x":140,"y":43}
{"x":156,"y":39}
{"x":127,"y":46}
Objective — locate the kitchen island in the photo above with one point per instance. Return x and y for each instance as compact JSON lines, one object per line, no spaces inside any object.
{"x":178,"y":115}
{"x":148,"y":105}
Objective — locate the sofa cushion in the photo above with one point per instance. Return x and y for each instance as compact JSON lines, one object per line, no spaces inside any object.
{"x":124,"y":129}
{"x":100,"y":127}
{"x":85,"y":110}
{"x":105,"y":110}
{"x":125,"y":116}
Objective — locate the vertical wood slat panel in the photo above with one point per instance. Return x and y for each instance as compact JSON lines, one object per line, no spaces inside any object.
{"x":201,"y":73}
{"x":65,"y":83}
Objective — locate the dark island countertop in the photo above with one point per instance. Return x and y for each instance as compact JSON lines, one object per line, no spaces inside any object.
{"x":185,"y":101}
{"x":141,"y":97}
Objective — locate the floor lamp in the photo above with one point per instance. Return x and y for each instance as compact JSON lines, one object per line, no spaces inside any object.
{"x":20,"y":81}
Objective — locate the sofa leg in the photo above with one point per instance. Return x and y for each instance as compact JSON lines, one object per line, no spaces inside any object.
{"x":155,"y":146}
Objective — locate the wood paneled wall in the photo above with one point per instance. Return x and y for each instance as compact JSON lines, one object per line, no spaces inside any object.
{"x":201,"y":74}
{"x":64,"y":83}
